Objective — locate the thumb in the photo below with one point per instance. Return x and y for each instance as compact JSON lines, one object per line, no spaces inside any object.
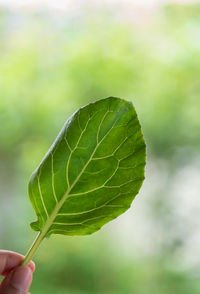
{"x":18,"y":281}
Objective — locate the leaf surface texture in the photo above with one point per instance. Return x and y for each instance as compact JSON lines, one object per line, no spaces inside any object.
{"x":92,"y":172}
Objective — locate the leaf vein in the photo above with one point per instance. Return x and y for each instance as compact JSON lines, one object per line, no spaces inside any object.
{"x":52,"y":180}
{"x":41,"y":197}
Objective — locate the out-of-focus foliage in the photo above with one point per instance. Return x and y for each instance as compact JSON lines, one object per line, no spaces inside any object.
{"x":49,"y":65}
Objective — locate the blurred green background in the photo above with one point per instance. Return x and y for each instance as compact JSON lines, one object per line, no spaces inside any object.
{"x":54,"y":60}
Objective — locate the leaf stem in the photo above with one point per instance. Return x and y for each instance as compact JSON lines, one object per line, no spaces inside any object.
{"x":33,"y":248}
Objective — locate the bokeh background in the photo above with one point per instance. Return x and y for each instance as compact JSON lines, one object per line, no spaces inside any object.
{"x":56,"y":56}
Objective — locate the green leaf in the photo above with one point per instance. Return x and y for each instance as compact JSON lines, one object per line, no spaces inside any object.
{"x":92,"y":172}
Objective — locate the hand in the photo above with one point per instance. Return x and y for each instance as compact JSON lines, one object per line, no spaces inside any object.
{"x":17,"y":278}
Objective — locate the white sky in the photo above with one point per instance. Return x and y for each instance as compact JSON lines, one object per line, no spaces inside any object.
{"x":65,"y":4}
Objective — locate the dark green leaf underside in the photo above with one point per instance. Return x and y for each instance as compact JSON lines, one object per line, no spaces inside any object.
{"x":92,"y":172}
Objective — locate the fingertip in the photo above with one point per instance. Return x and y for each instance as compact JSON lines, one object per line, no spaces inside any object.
{"x":21,"y":278}
{"x":17,"y":281}
{"x":31,"y":265}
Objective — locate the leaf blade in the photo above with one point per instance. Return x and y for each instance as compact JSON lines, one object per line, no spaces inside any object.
{"x":86,"y":177}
